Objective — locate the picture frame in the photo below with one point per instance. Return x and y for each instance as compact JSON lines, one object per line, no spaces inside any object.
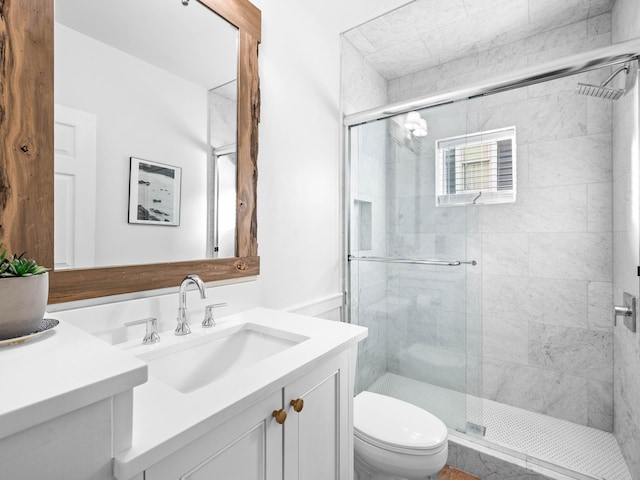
{"x":154,"y":193}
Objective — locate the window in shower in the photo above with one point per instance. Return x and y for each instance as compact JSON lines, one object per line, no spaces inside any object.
{"x":476,"y":168}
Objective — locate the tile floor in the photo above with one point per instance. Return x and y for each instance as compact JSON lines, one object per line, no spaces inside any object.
{"x":450,"y":473}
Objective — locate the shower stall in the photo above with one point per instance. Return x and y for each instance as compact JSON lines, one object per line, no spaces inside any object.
{"x":480,"y":244}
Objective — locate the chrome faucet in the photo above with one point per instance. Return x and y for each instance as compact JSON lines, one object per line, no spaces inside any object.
{"x":151,"y":336}
{"x":183,"y":321}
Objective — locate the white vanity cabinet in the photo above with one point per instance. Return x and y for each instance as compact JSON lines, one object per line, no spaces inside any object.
{"x":314,"y":443}
{"x":318,"y":440}
{"x":247,"y":446}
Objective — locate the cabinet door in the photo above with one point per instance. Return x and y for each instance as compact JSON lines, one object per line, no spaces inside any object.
{"x":246,"y":447}
{"x":317,"y":439}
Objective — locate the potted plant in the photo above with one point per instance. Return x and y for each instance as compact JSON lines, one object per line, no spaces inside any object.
{"x":24,"y":290}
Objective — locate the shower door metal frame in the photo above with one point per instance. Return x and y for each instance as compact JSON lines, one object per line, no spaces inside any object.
{"x":602,"y":57}
{"x":606,"y":56}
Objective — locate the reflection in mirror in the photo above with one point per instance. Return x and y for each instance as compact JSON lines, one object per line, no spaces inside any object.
{"x":223,"y":115}
{"x":135,"y":79}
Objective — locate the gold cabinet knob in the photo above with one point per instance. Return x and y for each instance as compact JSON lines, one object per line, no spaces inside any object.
{"x":297,"y":404}
{"x":280,"y":415}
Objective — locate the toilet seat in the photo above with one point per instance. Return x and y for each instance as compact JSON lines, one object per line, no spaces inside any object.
{"x":397,"y":426}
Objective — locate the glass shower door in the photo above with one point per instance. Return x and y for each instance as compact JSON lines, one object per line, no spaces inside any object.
{"x":423,"y":318}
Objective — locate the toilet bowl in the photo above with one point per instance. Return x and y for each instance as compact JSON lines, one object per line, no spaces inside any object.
{"x":394,"y":440}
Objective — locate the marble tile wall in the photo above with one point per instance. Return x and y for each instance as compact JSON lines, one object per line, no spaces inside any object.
{"x":626,"y":182}
{"x":361,"y":86}
{"x":488,"y":62}
{"x":538,"y":329}
{"x":425,"y":33}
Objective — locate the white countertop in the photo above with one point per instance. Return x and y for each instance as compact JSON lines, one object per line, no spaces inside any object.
{"x":165,"y":420}
{"x":58,"y":372}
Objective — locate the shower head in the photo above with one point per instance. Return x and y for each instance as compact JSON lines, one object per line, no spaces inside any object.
{"x":602,"y":91}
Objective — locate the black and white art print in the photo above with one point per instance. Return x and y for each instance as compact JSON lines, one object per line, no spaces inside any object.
{"x":154,"y":193}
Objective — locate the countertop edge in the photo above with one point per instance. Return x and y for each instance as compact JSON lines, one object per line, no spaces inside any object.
{"x":121,"y":375}
{"x":67,"y":402}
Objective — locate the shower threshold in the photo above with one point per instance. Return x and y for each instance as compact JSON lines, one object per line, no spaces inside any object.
{"x":571,"y":450}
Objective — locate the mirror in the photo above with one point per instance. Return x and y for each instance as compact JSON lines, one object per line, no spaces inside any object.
{"x":27,"y":155}
{"x":139,"y":114}
{"x":223,"y":102}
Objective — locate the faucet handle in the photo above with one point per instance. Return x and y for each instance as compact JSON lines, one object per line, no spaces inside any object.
{"x":151,"y":336}
{"x":208,"y":314}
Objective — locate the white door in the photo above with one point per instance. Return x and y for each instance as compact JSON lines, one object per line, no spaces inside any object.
{"x":74,"y":188}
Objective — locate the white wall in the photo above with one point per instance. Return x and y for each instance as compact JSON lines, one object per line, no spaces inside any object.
{"x":137,"y":115}
{"x":299,"y":209}
{"x":298,"y":183}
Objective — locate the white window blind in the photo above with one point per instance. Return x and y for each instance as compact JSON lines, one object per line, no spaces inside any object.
{"x":477,"y":168}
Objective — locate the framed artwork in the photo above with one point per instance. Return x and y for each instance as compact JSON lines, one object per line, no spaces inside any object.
{"x":154,"y":193}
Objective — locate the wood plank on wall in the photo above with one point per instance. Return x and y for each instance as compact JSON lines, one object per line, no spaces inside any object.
{"x":248,"y":117}
{"x":26,"y":128}
{"x":71,"y":285}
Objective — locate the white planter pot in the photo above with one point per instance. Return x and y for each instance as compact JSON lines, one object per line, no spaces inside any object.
{"x":22,"y":304}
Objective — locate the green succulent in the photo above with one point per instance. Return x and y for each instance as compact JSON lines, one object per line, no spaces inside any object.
{"x":16,"y":266}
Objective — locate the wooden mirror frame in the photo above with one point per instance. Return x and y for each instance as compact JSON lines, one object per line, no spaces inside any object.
{"x":27,"y":153}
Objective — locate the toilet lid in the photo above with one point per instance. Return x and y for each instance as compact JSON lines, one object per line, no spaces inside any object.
{"x":396,"y":423}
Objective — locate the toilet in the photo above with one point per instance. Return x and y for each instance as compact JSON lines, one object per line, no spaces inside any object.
{"x":394,"y":440}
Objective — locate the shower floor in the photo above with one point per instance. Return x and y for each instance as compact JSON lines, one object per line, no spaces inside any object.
{"x":568,"y":448}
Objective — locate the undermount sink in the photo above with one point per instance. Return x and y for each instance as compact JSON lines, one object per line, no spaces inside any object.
{"x":196,"y":363}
